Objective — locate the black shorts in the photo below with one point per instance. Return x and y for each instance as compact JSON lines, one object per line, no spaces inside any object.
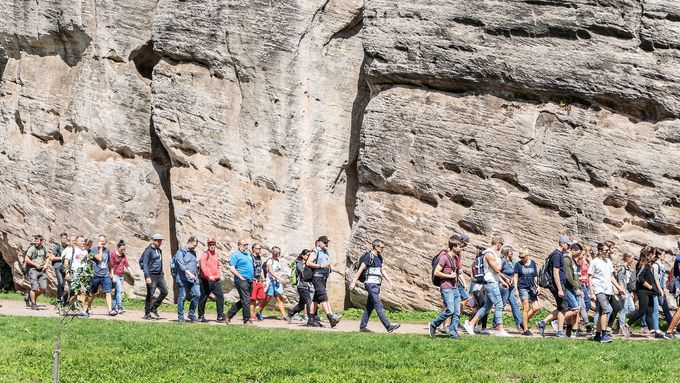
{"x":560,"y":303}
{"x":320,"y":295}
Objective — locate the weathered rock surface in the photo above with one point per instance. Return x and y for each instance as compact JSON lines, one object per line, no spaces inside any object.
{"x":230,"y":119}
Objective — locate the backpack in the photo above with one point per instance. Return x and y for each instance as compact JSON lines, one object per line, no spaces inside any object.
{"x":357,"y":264}
{"x":173,"y":266}
{"x":24,"y":265}
{"x":265,"y":267}
{"x":307,"y":272}
{"x":545,"y":276}
{"x":293,"y":272}
{"x":478,"y":269}
{"x":437,"y":281}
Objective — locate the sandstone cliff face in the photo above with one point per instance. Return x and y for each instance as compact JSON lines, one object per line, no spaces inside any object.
{"x":282,"y":121}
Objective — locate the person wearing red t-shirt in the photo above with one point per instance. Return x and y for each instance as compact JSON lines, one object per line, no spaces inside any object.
{"x":211,"y":281}
{"x":117,"y":264}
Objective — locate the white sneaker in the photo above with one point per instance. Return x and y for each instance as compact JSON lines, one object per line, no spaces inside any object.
{"x":468,"y":328}
{"x":554,"y":325}
{"x":483,"y":331}
{"x":503,"y":333}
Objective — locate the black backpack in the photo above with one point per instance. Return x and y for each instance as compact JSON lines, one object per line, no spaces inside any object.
{"x":435,"y":261}
{"x":307,"y":272}
{"x":357,"y":264}
{"x":545,"y":276}
{"x":478,"y":269}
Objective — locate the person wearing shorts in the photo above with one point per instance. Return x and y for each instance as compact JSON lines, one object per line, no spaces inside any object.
{"x":274,"y":283}
{"x":526,"y":274}
{"x":36,"y":261}
{"x":257,"y":294}
{"x":603,"y":285}
{"x":101,"y":275}
{"x":558,"y":275}
{"x":320,"y":262}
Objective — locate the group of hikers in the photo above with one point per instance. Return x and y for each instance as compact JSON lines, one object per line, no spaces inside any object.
{"x":575,"y":276}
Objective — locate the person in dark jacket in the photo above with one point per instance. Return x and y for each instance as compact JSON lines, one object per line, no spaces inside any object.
{"x":186,"y":265}
{"x":304,"y":289}
{"x":152,"y":266}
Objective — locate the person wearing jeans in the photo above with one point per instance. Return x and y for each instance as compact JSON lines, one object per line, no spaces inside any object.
{"x":186,"y":265}
{"x":371,"y":264}
{"x":210,"y":279}
{"x":118,"y":263}
{"x":152,"y":267}
{"x":508,"y":294}
{"x":58,"y":265}
{"x":241,"y":265}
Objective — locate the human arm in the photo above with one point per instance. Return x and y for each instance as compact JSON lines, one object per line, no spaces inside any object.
{"x":99,"y":254}
{"x":497,"y":268}
{"x":362,"y":267}
{"x":145,"y":265}
{"x":28,"y":258}
{"x":313,"y":265}
{"x":384,"y":274}
{"x":232,"y":267}
{"x":272,"y":274}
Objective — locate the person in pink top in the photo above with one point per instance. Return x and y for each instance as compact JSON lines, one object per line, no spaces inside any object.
{"x":211,"y":281}
{"x":117,"y":264}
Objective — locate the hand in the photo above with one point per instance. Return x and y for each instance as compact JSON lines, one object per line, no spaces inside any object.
{"x":68,"y":277}
{"x":560,"y":293}
{"x":147,"y":280}
{"x":505,"y":285}
{"x":352,"y":286}
{"x":325,"y":265}
{"x":579,"y":292}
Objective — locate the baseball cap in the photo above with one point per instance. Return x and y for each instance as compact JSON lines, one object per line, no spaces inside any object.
{"x":323,"y":239}
{"x":566,"y":239}
{"x":464,"y":237}
{"x":157,"y":237}
{"x":211,"y":240}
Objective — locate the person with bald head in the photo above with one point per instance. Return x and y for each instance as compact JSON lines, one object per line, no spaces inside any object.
{"x":241,"y":265}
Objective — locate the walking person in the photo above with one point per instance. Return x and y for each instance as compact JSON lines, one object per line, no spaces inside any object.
{"x":151,"y":263}
{"x":371,"y":263}
{"x":304,"y":288}
{"x":210,"y":281}
{"x":58,"y":265}
{"x":186,"y":266}
{"x":647,"y":290}
{"x":509,"y":294}
{"x":659,"y":270}
{"x":257,"y":294}
{"x":118,"y":263}
{"x":101,"y":275}
{"x":558,"y":273}
{"x":320,"y":263}
{"x":241,"y":265}
{"x":274,"y":283}
{"x":447,"y":270}
{"x":75,"y":267}
{"x":627,"y":279}
{"x":584,"y":299}
{"x":494,"y":279}
{"x":572,"y":289}
{"x":603,"y":286}
{"x":36,"y":262}
{"x":526,"y":280}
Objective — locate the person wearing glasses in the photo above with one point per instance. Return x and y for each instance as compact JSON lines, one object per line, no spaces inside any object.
{"x":241,"y":265}
{"x":320,"y":262}
{"x":371,"y":263}
{"x":211,"y":281}
{"x":448,"y":272}
{"x":187,"y":280}
{"x":257,"y":295}
{"x":603,"y":286}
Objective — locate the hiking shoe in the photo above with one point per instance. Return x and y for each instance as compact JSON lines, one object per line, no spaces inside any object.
{"x":202,"y":320}
{"x":149,"y":317}
{"x":560,"y":334}
{"x":606,"y":338}
{"x":528,"y":333}
{"x":468,"y":328}
{"x":660,"y":335}
{"x":27,"y":301}
{"x":313,"y":324}
{"x":259,"y":317}
{"x":154,"y":312}
{"x":503,"y":333}
{"x":334,"y":320}
{"x":364,"y":329}
{"x":541,"y":327}
{"x":433,"y":330}
{"x":113,"y":313}
{"x":597,"y":337}
{"x":393,"y":327}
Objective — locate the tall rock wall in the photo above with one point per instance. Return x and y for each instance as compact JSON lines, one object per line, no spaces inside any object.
{"x":283,"y":121}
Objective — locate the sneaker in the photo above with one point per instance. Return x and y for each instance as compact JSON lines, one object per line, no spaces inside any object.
{"x":259,"y":317}
{"x":393,"y":327}
{"x":121,"y":311}
{"x":541,"y":327}
{"x":154,"y":312}
{"x":220,"y":318}
{"x":27,"y":300}
{"x":34,"y":306}
{"x":442,"y":330}
{"x":202,"y":319}
{"x":478,"y":328}
{"x":113,"y":313}
{"x":468,"y":328}
{"x":528,"y":333}
{"x":560,"y":334}
{"x":484,"y":332}
{"x":289,"y":318}
{"x":660,"y":335}
{"x":589,"y":327}
{"x":334,"y":320}
{"x":364,"y":329}
{"x":606,"y":338}
{"x":503,"y":333}
{"x":84,"y":314}
{"x":597,"y":337}
{"x":181,"y":321}
{"x":192,"y":319}
{"x":313,"y":324}
{"x":520,"y":329}
{"x":433,"y":330}
{"x":625,"y":330}
{"x":149,"y":317}
{"x":554,"y":325}
{"x":249,"y":323}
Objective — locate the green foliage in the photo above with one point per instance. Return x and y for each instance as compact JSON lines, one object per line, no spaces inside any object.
{"x":101,"y":350}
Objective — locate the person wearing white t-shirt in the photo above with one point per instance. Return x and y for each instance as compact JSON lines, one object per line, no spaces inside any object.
{"x":73,"y":267}
{"x":603,"y":285}
{"x":274,"y":282}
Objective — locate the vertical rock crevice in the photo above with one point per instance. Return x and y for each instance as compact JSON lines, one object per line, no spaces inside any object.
{"x":162,"y":163}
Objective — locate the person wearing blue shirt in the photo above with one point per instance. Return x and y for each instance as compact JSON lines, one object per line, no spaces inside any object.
{"x":320,"y":262}
{"x":241,"y":265}
{"x":508,"y":293}
{"x":186,"y":264}
{"x":101,"y":275}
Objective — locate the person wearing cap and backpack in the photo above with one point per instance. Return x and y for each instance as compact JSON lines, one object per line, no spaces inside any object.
{"x":493,"y":280}
{"x":186,"y":276}
{"x":320,"y":263}
{"x":36,"y":263}
{"x":371,"y":271}
{"x":151,"y":263}
{"x":210,"y":279}
{"x":555,"y":271}
{"x":445,"y":275}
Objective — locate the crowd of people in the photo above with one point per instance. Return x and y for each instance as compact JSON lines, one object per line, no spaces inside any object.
{"x":577,"y":276}
{"x":573,"y":274}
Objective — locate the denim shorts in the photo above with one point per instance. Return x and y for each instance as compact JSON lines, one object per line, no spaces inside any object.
{"x":104,"y":282}
{"x":572,"y":299}
{"x":274,"y":288}
{"x":528,"y":294}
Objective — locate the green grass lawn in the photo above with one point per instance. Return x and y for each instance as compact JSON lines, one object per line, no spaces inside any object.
{"x":99,"y":350}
